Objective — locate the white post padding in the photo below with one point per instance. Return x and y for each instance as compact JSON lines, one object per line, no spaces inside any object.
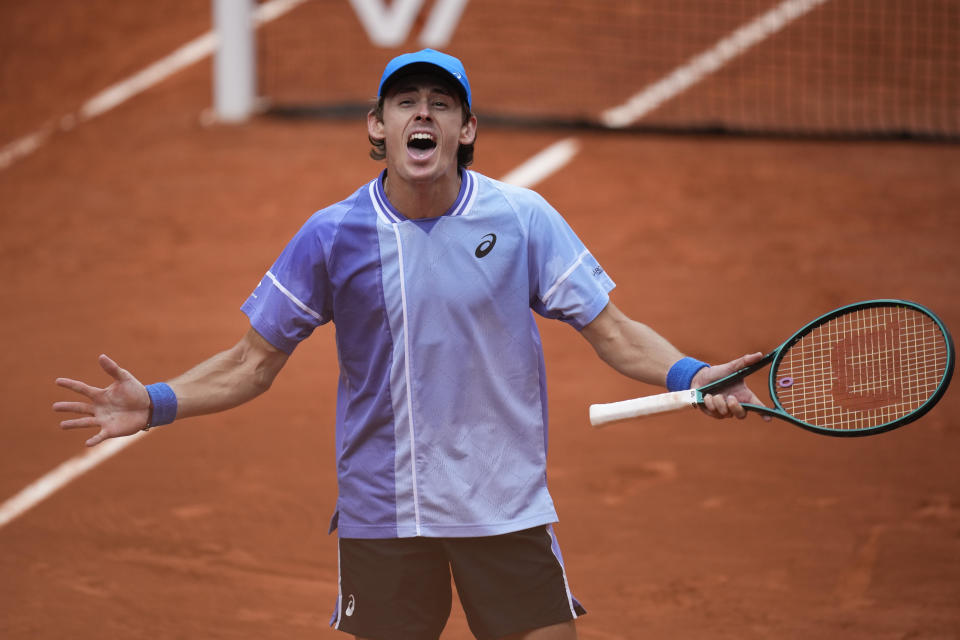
{"x":602,"y":414}
{"x":234,"y":62}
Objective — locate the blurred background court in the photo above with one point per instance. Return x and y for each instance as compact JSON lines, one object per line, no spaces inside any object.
{"x":739,"y":167}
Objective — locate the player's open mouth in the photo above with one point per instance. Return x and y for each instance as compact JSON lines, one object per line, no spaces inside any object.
{"x":421,"y":145}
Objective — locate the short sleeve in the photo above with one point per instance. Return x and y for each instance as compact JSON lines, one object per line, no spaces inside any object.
{"x":294,"y":297}
{"x":566,"y":280}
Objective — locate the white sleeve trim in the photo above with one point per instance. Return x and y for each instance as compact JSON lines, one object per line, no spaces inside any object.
{"x":563,"y":278}
{"x":318,"y":317}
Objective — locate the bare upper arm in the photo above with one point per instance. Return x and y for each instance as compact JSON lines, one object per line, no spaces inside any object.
{"x":256,"y":341}
{"x":265,"y":359}
{"x":604,"y":327}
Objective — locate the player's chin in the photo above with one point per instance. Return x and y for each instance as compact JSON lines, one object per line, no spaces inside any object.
{"x":419,"y":167}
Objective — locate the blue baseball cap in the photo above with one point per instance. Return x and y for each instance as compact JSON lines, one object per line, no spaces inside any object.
{"x":451,"y":66}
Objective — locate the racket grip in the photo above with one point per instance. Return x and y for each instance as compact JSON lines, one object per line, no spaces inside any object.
{"x":602,"y":414}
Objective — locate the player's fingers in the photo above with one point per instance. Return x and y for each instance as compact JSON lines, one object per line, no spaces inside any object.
{"x":715,"y":405}
{"x":708,"y":404}
{"x":754,"y":399}
{"x":719,"y":371}
{"x":757,"y":401}
{"x":735,"y":408}
{"x":73,"y":407}
{"x":80,"y":387}
{"x":97,"y":439}
{"x":112,"y":368}
{"x":743,"y":362}
{"x":80,"y":423}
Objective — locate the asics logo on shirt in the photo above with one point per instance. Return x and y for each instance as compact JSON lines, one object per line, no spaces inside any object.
{"x":486,"y":246}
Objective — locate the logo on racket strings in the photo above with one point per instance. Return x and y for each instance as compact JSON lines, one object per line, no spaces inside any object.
{"x":865,"y":369}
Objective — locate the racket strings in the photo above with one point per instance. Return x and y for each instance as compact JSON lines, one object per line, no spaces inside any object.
{"x":862,"y":369}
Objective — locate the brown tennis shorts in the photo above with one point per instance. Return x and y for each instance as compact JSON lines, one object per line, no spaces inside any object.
{"x":392,"y":588}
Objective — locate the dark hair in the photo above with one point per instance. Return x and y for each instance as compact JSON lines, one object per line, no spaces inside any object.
{"x":464,"y":151}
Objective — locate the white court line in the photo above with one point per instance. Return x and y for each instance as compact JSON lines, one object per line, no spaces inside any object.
{"x":700,"y":66}
{"x":542,"y":165}
{"x":41,"y":489}
{"x":679,"y":80}
{"x":24,"y":146}
{"x":189,"y":54}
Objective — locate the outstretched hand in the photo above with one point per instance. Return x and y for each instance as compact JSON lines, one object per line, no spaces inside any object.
{"x":727,"y":403}
{"x":121,"y":409}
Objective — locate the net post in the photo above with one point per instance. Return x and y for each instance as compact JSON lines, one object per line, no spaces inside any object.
{"x":234,"y":62}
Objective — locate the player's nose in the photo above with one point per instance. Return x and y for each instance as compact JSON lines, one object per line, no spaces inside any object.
{"x":423,"y":110}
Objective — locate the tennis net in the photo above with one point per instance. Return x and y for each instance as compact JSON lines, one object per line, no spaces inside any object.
{"x":795,"y":67}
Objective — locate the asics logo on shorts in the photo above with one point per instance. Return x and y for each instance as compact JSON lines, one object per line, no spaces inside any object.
{"x":351,"y":605}
{"x":486,"y":246}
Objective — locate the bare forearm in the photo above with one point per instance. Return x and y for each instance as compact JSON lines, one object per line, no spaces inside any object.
{"x":229,"y":378}
{"x":630,"y":347}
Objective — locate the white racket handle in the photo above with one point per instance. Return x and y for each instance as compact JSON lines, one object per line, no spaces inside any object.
{"x":602,"y":414}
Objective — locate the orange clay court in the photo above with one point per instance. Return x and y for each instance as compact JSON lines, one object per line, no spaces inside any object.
{"x":140,"y":232}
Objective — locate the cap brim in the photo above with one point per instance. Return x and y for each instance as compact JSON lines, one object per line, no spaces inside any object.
{"x":424,"y":68}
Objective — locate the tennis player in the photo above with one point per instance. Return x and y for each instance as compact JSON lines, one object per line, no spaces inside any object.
{"x":429,"y":272}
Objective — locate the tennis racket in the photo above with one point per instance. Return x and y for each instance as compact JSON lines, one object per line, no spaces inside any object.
{"x":861,"y":369}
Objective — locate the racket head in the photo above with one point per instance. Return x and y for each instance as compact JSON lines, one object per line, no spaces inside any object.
{"x":863,"y":369}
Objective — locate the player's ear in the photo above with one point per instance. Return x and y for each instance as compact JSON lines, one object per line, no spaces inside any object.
{"x":468,"y":132}
{"x":374,"y":125}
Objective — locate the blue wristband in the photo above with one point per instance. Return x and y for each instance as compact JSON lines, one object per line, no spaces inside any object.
{"x":163,"y":405}
{"x":681,"y":373}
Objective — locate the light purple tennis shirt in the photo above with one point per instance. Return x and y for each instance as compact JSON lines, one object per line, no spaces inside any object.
{"x":442,"y":403}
